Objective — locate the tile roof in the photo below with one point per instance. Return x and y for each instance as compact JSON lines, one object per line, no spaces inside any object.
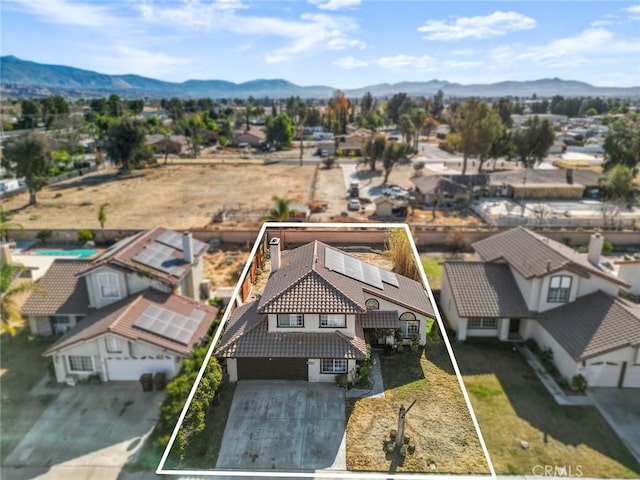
{"x":66,"y":290}
{"x":485,"y":290}
{"x":593,"y":324}
{"x":259,"y":342}
{"x":379,"y":319}
{"x":120,"y":316}
{"x":122,"y":255}
{"x":304,"y":285}
{"x":529,"y":253}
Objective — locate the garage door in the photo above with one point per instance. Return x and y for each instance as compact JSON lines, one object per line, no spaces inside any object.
{"x":130,"y":369}
{"x":603,"y":374}
{"x":632,"y":376}
{"x":272,"y":369}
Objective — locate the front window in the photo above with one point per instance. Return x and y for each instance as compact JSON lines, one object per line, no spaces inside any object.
{"x":559,"y":289}
{"x":410,"y":325}
{"x":59,"y":323}
{"x":108,"y":284}
{"x":479,"y":323}
{"x":333,"y":365}
{"x":80,"y":363}
{"x":290,"y":320}
{"x":333,"y":320}
{"x":113,"y":345}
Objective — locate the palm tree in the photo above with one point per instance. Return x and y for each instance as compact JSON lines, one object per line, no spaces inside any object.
{"x":281,"y":211}
{"x":6,"y":224}
{"x":9,"y":290}
{"x":102,"y":216}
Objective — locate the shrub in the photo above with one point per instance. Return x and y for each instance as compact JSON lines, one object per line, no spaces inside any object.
{"x":414,"y":342}
{"x":579,"y":383}
{"x":85,"y":235}
{"x":341,"y":380}
{"x":44,"y":235}
{"x":607,"y":247}
{"x":329,"y":161}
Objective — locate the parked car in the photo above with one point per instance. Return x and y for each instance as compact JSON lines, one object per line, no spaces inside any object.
{"x":353,"y":204}
{"x":394,"y":191}
{"x":354,"y":190}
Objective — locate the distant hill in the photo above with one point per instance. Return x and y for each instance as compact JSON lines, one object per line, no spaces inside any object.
{"x":22,"y":78}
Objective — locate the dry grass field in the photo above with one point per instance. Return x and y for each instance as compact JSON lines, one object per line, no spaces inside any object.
{"x":178,"y":197}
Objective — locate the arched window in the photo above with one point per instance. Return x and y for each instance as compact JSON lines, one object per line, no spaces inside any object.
{"x":409,"y":324}
{"x":372,"y":304}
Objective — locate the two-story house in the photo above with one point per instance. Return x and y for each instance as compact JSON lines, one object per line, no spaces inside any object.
{"x":134,"y":309}
{"x":309,"y":322}
{"x":525,"y":285}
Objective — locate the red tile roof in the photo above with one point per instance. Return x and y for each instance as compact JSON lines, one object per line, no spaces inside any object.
{"x":119,"y":318}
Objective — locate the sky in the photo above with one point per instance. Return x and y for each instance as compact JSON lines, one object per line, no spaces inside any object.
{"x":338,"y":43}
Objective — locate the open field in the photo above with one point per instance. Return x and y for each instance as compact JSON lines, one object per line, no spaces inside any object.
{"x":439,"y":423}
{"x":513,"y":406}
{"x":177,"y":197}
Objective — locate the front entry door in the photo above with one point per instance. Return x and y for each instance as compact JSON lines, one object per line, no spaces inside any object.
{"x":514,"y":326}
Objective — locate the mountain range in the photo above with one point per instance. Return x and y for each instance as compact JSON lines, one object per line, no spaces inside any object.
{"x":22,"y":78}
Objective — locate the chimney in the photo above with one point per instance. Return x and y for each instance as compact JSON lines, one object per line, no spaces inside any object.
{"x":569,"y":175}
{"x":595,"y":248}
{"x":187,"y":247}
{"x":274,"y":251}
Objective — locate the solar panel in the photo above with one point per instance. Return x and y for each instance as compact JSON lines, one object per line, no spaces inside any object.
{"x":168,"y":324}
{"x":353,"y":268}
{"x":171,"y":238}
{"x":161,"y":257}
{"x":389,"y":277}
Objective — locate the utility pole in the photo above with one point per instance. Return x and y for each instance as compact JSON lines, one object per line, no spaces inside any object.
{"x":402,"y":413}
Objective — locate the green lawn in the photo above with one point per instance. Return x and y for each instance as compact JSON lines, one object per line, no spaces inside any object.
{"x":513,"y":406}
{"x":21,"y":367}
{"x":433,"y":270}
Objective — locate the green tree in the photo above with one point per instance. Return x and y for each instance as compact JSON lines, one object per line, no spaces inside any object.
{"x":32,"y":160}
{"x":393,"y":153}
{"x":193,"y":127}
{"x":10,"y":290}
{"x":115,"y":106}
{"x":418,"y":118}
{"x":125,"y":144}
{"x":279,"y":130}
{"x":30,"y":114}
{"x":618,"y":184}
{"x":102,"y":217}
{"x":533,"y":140}
{"x":281,"y":211}
{"x":373,"y":149}
{"x":6,"y":224}
{"x":397,"y":105}
{"x":478,"y":127}
{"x":407,"y":128}
{"x":622,"y":145}
{"x":175,"y":109}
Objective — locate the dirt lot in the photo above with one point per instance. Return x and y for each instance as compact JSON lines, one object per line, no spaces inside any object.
{"x":175,"y":196}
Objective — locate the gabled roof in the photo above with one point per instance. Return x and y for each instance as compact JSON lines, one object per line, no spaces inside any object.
{"x":167,"y":265}
{"x":304,"y":284}
{"x":533,"y":255}
{"x":119,"y":318}
{"x":485,"y":290}
{"x":593,"y":325}
{"x":66,"y":291}
{"x":247,"y":336}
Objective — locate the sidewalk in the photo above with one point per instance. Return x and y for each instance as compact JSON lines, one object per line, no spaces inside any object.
{"x":377,"y":389}
{"x":550,"y":384}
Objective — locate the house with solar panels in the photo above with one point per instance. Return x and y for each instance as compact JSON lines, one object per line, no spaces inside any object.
{"x":134,"y":309}
{"x":309,"y":322}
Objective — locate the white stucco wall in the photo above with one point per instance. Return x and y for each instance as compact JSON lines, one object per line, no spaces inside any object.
{"x":448,"y":307}
{"x":40,"y":324}
{"x":566,"y":365}
{"x":595,"y":283}
{"x":386,"y":305}
{"x":93,"y":287}
{"x":232,"y":369}
{"x":312,"y":324}
{"x":316,"y":376}
{"x":137,"y":283}
{"x":630,"y":273}
{"x":529,"y":288}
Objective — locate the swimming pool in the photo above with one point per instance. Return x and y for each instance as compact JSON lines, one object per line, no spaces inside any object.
{"x":57,"y":252}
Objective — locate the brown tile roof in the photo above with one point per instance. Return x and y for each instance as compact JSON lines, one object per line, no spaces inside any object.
{"x":379,"y":319}
{"x":304,"y":285}
{"x":258,"y":342}
{"x":122,"y":255}
{"x":120,"y":316}
{"x":66,"y":291}
{"x":485,"y":290}
{"x":593,"y":324}
{"x":528,"y":253}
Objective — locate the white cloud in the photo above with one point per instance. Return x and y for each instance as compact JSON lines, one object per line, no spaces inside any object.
{"x":633,"y":9}
{"x":335,"y":4}
{"x":66,"y":13}
{"x":602,"y":23}
{"x":494,"y":25}
{"x":392,"y":63}
{"x":122,"y":58}
{"x":592,"y":46}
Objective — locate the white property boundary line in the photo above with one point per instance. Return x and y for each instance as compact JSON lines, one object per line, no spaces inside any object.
{"x":323,"y":474}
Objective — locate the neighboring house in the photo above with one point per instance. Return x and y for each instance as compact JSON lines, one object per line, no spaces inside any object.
{"x":525,"y":285}
{"x":254,"y":137}
{"x":134,"y":309}
{"x":310,"y":320}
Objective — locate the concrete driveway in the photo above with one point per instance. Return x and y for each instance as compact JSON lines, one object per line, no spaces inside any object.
{"x":284,"y":425}
{"x":620,"y":407}
{"x":88,"y":426}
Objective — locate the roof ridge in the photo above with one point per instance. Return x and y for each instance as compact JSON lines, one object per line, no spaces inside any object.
{"x":128,"y":308}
